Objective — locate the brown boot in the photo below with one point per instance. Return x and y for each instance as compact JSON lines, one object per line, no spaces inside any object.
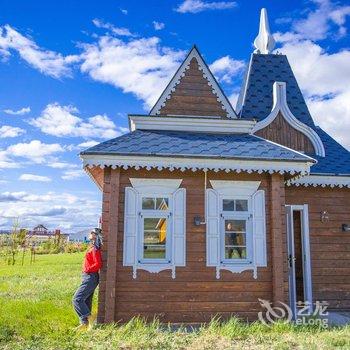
{"x":91,"y":320}
{"x":82,"y":327}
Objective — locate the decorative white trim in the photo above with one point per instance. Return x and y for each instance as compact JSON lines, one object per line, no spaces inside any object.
{"x":166,"y":94}
{"x":155,"y":186}
{"x":153,"y":269}
{"x":235,"y":188}
{"x":194,"y":164}
{"x":264,"y":42}
{"x":320,"y":180}
{"x":191,"y":123}
{"x":280,"y":105}
{"x":237,"y":269}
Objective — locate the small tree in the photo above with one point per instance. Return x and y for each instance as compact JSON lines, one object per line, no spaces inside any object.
{"x":17,"y":241}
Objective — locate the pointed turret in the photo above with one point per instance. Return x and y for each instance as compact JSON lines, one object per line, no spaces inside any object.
{"x":264,"y":42}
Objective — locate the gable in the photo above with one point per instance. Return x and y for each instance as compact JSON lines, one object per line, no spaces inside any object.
{"x":281,"y":132}
{"x":193,"y":91}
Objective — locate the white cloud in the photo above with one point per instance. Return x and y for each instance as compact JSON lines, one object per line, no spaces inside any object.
{"x":48,"y":62}
{"x":62,"y":165}
{"x":32,"y":177}
{"x":10,"y":131}
{"x":21,"y":111}
{"x":113,"y":29}
{"x":35,"y":150}
{"x":195,"y":6}
{"x":158,"y":25}
{"x":140,"y":66}
{"x":88,"y":144}
{"x":6,"y":162}
{"x":124,"y":11}
{"x":54,"y":210}
{"x":324,"y":78}
{"x":60,"y":121}
{"x":226,"y":68}
{"x":319,"y":21}
{"x":73,"y":174}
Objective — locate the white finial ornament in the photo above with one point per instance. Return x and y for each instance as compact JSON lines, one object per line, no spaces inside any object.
{"x":264,"y":42}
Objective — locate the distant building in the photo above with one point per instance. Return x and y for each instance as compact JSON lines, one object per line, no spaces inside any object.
{"x":41,"y":234}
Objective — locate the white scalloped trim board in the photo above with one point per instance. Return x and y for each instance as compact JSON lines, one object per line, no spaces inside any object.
{"x":320,"y":180}
{"x":166,"y":94}
{"x":194,"y":164}
{"x":280,"y":105}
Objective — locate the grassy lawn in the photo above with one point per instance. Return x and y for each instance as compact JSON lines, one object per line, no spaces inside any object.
{"x":36,"y":313}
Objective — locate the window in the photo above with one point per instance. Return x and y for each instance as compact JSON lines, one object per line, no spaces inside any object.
{"x":156,"y":232}
{"x":154,"y":225}
{"x":236,"y":230}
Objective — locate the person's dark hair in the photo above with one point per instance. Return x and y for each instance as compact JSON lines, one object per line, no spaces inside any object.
{"x":98,"y":241}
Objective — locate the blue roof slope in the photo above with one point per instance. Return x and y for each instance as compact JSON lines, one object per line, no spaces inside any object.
{"x":257,"y":89}
{"x":337,"y":159}
{"x":192,"y":144}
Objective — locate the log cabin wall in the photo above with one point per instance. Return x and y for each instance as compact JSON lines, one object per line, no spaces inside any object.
{"x":195,"y":295}
{"x":329,"y":246}
{"x":193,"y":96}
{"x":281,"y":132}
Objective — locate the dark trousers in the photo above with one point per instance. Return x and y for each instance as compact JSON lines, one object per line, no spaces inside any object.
{"x":82,"y":300}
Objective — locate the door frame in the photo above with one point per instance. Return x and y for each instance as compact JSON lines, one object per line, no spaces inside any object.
{"x":305,"y":246}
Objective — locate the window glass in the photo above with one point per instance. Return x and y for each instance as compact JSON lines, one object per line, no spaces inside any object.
{"x":241,"y":205}
{"x":228,"y":205}
{"x":235,"y":239}
{"x":162,"y":204}
{"x":148,"y":203}
{"x":155,"y":230}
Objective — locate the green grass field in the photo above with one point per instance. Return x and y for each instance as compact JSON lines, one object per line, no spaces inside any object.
{"x":36,"y":313}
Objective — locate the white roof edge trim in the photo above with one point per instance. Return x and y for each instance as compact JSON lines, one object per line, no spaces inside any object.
{"x":191,"y":124}
{"x":321,"y":180}
{"x":206,"y":74}
{"x":280,"y":105}
{"x":194,"y":164}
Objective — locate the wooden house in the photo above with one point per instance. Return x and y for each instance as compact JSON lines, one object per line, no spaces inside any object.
{"x":206,"y":209}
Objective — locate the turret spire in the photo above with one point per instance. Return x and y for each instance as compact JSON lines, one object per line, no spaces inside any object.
{"x":264,"y":42}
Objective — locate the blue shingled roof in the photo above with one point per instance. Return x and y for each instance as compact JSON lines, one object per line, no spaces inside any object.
{"x":258,"y":88}
{"x":192,"y":144}
{"x":256,"y":99}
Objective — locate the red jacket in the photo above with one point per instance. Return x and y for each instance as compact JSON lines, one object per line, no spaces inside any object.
{"x":92,"y":260}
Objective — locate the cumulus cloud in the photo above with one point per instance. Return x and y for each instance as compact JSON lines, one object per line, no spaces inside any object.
{"x":21,"y":111}
{"x":47,"y":62}
{"x":6,"y":162}
{"x":62,"y":121}
{"x":73,"y":174}
{"x":124,"y":11}
{"x":195,"y":6}
{"x":319,"y":21}
{"x":10,"y":131}
{"x":35,"y":150}
{"x":158,"y":25}
{"x":62,"y":165}
{"x":226,"y":68}
{"x":32,"y":177}
{"x":140,"y":66}
{"x":113,"y":29}
{"x":88,"y":144}
{"x":54,"y":210}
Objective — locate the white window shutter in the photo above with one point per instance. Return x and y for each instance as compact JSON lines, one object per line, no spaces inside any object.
{"x":213,"y":227}
{"x":130,"y":227}
{"x":179,"y":227}
{"x":259,"y":228}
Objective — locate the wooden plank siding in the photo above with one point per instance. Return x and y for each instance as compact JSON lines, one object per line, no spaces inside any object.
{"x":330,"y":247}
{"x":195,"y":295}
{"x":193,"y":96}
{"x":281,"y":132}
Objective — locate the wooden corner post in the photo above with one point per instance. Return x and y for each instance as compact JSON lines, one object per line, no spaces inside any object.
{"x":110,"y":207}
{"x":277,"y":236}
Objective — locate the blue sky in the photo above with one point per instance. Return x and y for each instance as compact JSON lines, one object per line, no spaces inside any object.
{"x":71,"y":71}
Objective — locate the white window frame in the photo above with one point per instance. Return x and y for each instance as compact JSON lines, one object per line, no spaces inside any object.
{"x":134,"y":224}
{"x":236,"y":215}
{"x":235,"y":190}
{"x":149,"y":213}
